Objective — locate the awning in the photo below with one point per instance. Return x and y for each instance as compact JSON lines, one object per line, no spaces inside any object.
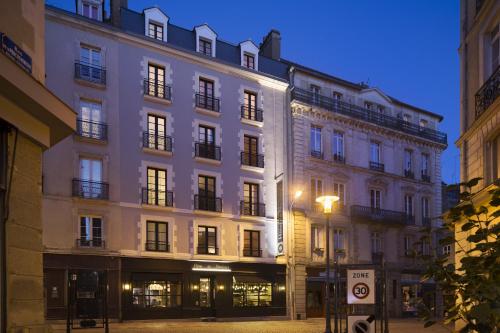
{"x":249,"y":279}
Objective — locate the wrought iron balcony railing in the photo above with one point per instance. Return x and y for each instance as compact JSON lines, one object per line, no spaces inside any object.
{"x":488,"y":93}
{"x":88,"y":189}
{"x":155,"y":197}
{"x":90,"y":73}
{"x":157,"y":89}
{"x":252,"y":208}
{"x":317,"y":154}
{"x":157,"y":246}
{"x":255,"y":160}
{"x":157,"y":141}
{"x":409,"y":174}
{"x":250,"y":252}
{"x":95,"y":242}
{"x":377,"y":215}
{"x":207,"y":150}
{"x":207,"y":102}
{"x":207,"y":249}
{"x":252,"y":113}
{"x":377,"y":166}
{"x":92,"y":130}
{"x":208,"y":203}
{"x":364,"y":114}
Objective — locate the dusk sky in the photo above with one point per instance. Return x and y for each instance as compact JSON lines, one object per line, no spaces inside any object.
{"x":406,"y":48}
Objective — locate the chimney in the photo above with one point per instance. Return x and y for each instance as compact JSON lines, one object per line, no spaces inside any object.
{"x":271,"y":45}
{"x":115,"y":6}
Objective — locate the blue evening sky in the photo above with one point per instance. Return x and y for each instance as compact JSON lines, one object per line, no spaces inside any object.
{"x":406,"y":48}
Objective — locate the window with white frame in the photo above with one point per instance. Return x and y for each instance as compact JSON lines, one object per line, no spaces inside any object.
{"x":446,"y":249}
{"x":374,"y":152}
{"x":376,"y":242}
{"x":90,"y":183}
{"x":90,"y":66}
{"x":90,"y":120}
{"x":91,"y":234}
{"x":375,"y":199}
{"x":316,"y":239}
{"x":338,"y":240}
{"x":339,"y":190}
{"x":338,"y":146}
{"x":316,"y":191}
{"x":205,"y":46}
{"x":408,"y":205}
{"x":91,"y":9}
{"x":316,"y":146}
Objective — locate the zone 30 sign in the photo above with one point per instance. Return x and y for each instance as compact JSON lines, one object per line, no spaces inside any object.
{"x":360,"y":286}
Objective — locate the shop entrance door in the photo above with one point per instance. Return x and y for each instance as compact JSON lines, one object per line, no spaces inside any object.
{"x":207,"y":296}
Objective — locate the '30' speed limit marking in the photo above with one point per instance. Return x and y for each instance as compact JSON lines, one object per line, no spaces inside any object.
{"x":360,"y":290}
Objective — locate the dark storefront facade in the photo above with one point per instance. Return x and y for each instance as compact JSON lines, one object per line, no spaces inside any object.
{"x":165,"y":288}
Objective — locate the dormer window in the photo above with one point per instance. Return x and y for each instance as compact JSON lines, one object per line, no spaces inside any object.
{"x":91,"y":9}
{"x":205,"y":47}
{"x":368,"y":106}
{"x":156,"y":30}
{"x":423,"y":123}
{"x":249,"y":60}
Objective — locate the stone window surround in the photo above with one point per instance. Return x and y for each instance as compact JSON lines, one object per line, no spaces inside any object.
{"x":143,"y":174}
{"x":172,"y":233}
{"x":145,"y":62}
{"x":169,"y":119}
{"x":220,"y":233}
{"x":194,"y":183}
{"x":260,"y":182}
{"x":264,"y":240}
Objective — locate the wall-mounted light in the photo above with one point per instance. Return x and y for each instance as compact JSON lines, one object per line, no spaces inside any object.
{"x":281,"y":287}
{"x":220,"y":287}
{"x":126,"y":286}
{"x":195,"y":287}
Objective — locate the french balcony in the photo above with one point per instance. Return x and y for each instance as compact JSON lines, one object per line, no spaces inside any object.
{"x":488,"y":93}
{"x":157,"y":89}
{"x":207,"y":203}
{"x":376,"y":166}
{"x":207,"y":249}
{"x":157,"y":141}
{"x":157,"y":246}
{"x":425,"y":177}
{"x":253,"y":160}
{"x":317,"y":154}
{"x":339,"y":158}
{"x":409,"y":174}
{"x":207,"y":150}
{"x":91,"y":73}
{"x":361,"y":113}
{"x":252,"y":113}
{"x":250,"y":252}
{"x":156,"y":197}
{"x":207,"y":103}
{"x":88,"y":189}
{"x":92,"y":130}
{"x":377,"y":215}
{"x":90,"y":243}
{"x":248,"y":208}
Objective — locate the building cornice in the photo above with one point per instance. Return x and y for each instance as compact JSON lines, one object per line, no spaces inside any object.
{"x":166,"y":49}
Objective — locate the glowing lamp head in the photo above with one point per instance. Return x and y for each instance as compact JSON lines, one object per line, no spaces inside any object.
{"x":297,"y":194}
{"x":327,"y":202}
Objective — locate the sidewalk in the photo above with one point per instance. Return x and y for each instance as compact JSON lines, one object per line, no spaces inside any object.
{"x":287,"y":326}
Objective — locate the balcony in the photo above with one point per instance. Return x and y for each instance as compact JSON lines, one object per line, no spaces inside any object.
{"x":207,"y":203}
{"x":157,"y":141}
{"x":93,"y":243}
{"x":207,"y":249}
{"x":207,"y":103}
{"x":207,"y":150}
{"x":156,"y":197}
{"x":426,"y":222}
{"x":376,"y":166}
{"x":92,"y":130}
{"x":317,"y":154}
{"x":425,"y":177}
{"x":488,"y":93}
{"x":249,"y":252}
{"x":90,"y":73}
{"x":252,"y":208}
{"x":409,"y":174}
{"x":377,"y":215}
{"x":253,"y":160}
{"x":157,"y":246}
{"x":157,"y":89}
{"x":250,"y":113}
{"x":88,"y":189}
{"x":358,"y":112}
{"x":339,"y":158}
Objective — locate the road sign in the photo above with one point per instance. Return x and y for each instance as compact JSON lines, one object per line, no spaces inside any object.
{"x":360,"y":286}
{"x":361,"y":324}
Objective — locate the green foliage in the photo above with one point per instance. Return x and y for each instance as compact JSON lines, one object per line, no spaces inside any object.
{"x":474,"y":287}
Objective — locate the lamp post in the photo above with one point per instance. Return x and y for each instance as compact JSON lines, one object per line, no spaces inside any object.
{"x":291,"y":256}
{"x":327,"y":201}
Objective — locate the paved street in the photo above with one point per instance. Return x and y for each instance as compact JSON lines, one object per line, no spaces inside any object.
{"x":303,"y":326}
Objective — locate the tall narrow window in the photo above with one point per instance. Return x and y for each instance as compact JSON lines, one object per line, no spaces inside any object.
{"x":315,"y":90}
{"x":374,"y":152}
{"x":376,"y":242}
{"x":495,"y":48}
{"x":90,"y":67}
{"x":337,"y":96}
{"x":156,"y":132}
{"x":279,"y":214}
{"x":316,"y":240}
{"x":492,"y":160}
{"x":157,"y":187}
{"x":408,"y":244}
{"x":90,"y":123}
{"x":155,"y":30}
{"x":249,"y":60}
{"x":425,"y":207}
{"x":251,"y":243}
{"x":339,"y":190}
{"x":375,"y":199}
{"x":157,"y":236}
{"x":408,"y":167}
{"x":206,"y":98}
{"x":91,"y":169}
{"x":408,"y":205}
{"x":91,"y":231}
{"x":316,"y":147}
{"x":338,"y":240}
{"x":156,"y":81}
{"x":250,"y":106}
{"x":205,"y":46}
{"x":338,"y":146}
{"x":316,"y":191}
{"x":90,"y":184}
{"x":251,"y":199}
{"x":206,"y":193}
{"x":425,"y":164}
{"x":207,"y":240}
{"x":205,"y":147}
{"x":251,"y":151}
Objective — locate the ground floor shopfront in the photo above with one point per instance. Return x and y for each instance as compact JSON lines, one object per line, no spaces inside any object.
{"x":143,"y":288}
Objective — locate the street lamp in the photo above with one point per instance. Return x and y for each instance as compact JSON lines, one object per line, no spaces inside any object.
{"x":291,"y":256}
{"x":327,"y":202}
